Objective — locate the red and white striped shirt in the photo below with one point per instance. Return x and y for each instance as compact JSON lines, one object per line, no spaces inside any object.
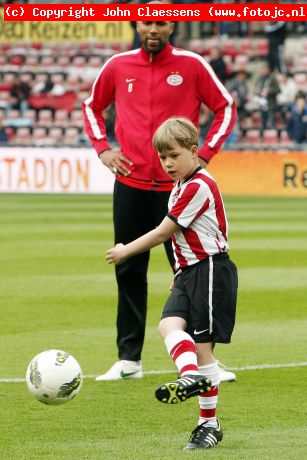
{"x":197,"y":206}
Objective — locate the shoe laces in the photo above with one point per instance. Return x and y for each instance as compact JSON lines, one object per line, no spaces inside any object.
{"x":198,"y":433}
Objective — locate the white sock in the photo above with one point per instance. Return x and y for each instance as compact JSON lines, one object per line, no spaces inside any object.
{"x":208,"y":401}
{"x":181,"y":347}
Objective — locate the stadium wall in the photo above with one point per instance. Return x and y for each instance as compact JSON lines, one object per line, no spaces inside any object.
{"x":68,"y":170}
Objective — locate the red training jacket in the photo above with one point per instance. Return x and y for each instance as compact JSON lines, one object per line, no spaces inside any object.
{"x":148,"y":89}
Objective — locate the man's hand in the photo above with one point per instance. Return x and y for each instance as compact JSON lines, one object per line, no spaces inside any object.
{"x":116,"y":162}
{"x":116,"y":255}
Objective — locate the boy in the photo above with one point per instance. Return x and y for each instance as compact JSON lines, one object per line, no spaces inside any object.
{"x":200,"y":310}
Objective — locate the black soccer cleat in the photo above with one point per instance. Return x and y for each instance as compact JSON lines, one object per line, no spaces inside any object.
{"x":205,"y":437}
{"x":183,"y":388}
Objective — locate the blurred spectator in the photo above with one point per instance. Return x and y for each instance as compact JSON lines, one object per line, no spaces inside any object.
{"x":11,"y":2}
{"x":109,"y":116}
{"x":288,"y":91}
{"x":276,"y":33}
{"x":265,"y":96}
{"x":4,"y":135}
{"x":205,"y":121}
{"x":238,"y":88}
{"x":41,"y":84}
{"x":302,"y":26}
{"x":243,"y":27}
{"x":20,"y":92}
{"x":233,"y":137}
{"x":223,"y":26}
{"x":217,"y":63}
{"x":58,"y":89}
{"x":136,"y":42}
{"x":46,"y":86}
{"x":297,"y":123}
{"x":5,"y":98}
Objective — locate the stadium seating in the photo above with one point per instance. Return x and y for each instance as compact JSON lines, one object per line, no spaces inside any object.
{"x":40,"y":137}
{"x":270,"y":137}
{"x":45,"y":117}
{"x":72,"y":68}
{"x":253,"y":137}
{"x":261,"y":47}
{"x":56,"y":135}
{"x":22,"y":137}
{"x":71,"y":137}
{"x":30,"y":116}
{"x":61,"y":118}
{"x":76,"y":118}
{"x":284,"y":139}
{"x":255,"y":119}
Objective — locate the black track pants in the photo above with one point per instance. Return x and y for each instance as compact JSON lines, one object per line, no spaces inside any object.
{"x":135,"y":212}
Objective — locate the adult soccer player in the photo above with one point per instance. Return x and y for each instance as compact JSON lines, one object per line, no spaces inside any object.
{"x":148,"y":85}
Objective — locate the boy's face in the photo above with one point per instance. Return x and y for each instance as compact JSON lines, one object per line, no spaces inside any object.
{"x":179,"y":162}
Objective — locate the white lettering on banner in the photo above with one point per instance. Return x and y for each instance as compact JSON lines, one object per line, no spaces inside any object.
{"x":53,"y":170}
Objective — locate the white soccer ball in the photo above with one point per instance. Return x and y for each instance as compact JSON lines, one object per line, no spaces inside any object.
{"x":54,"y":377}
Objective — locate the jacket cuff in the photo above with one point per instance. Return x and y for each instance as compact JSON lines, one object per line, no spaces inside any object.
{"x":100,"y":146}
{"x":206,"y":154}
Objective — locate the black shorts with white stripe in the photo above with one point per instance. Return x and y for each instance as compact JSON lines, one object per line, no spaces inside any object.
{"x":205,"y":295}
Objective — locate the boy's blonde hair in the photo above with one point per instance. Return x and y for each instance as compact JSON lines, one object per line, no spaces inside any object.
{"x":181,"y":130}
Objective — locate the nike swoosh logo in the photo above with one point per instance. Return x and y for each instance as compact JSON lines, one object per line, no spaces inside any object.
{"x":126,"y":374}
{"x":129,"y":80}
{"x":199,"y":332}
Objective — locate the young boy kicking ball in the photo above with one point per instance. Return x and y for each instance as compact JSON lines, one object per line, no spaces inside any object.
{"x":200,"y":310}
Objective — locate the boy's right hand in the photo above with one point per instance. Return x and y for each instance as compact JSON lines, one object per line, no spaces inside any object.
{"x":116,"y":255}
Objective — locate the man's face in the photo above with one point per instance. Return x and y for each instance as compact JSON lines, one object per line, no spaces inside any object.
{"x":154,"y":35}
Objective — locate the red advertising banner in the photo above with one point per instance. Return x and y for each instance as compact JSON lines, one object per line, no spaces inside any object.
{"x":141,"y":12}
{"x":65,"y":101}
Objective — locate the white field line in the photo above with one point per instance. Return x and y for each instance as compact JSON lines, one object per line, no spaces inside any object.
{"x":244,"y":368}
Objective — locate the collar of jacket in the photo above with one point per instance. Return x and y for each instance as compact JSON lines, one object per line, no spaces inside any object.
{"x":165,"y":52}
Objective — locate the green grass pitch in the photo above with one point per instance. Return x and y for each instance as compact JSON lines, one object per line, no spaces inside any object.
{"x":56,"y":291}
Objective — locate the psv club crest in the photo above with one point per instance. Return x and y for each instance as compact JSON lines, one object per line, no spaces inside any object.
{"x":175,"y":197}
{"x":175,"y":79}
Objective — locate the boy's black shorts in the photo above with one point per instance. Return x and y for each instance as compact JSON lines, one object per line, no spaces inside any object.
{"x":205,"y":295}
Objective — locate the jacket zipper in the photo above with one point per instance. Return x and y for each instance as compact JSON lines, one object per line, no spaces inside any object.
{"x":151,"y":60}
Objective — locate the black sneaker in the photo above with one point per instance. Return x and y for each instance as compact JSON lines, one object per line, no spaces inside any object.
{"x":183,"y":388}
{"x":205,"y":437}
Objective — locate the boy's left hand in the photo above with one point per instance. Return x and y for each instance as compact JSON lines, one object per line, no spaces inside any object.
{"x":116,"y":255}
